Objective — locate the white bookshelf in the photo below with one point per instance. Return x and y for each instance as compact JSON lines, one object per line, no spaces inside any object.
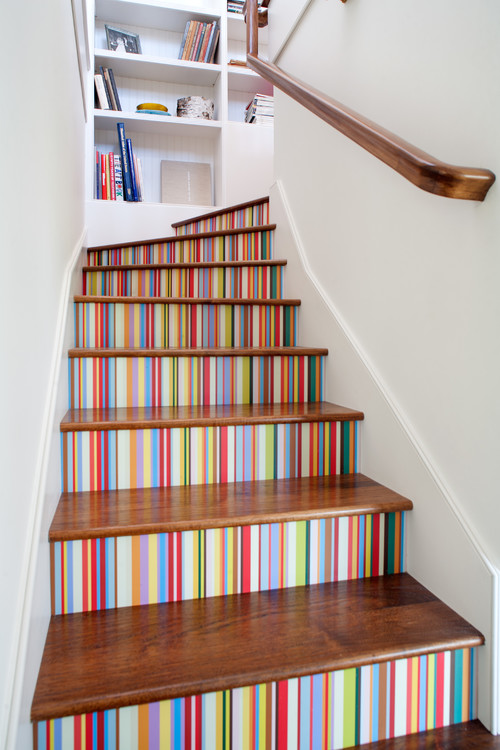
{"x":157,"y":75}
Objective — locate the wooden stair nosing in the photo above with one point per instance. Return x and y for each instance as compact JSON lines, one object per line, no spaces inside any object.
{"x":185,"y":237}
{"x":154,"y":417}
{"x":468,"y":735}
{"x":223,"y":351}
{"x":230,"y":301}
{"x":222,"y":211}
{"x":149,"y":653}
{"x":113,"y":513}
{"x":211,"y":264}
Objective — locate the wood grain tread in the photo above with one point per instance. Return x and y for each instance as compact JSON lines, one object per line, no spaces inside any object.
{"x":214,"y":351}
{"x":470,"y":735}
{"x":158,"y":510}
{"x":154,"y":417}
{"x":111,"y":658}
{"x":186,"y":237}
{"x":222,"y":211}
{"x":226,"y":351}
{"x":212,"y":264}
{"x":230,"y":301}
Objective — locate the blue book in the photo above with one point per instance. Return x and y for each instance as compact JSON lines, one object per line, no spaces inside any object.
{"x":132,"y":170}
{"x":126,"y":173}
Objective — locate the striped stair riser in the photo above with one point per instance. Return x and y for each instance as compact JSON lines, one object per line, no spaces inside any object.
{"x":164,"y":325}
{"x":261,"y":282}
{"x":166,"y":457}
{"x":247,"y":246}
{"x":99,"y":382}
{"x":94,"y":574}
{"x":319,"y":712}
{"x":249,"y":217}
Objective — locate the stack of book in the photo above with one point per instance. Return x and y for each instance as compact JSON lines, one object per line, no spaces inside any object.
{"x":119,"y":177}
{"x":199,"y":42}
{"x":260,"y":110}
{"x":106,"y":91}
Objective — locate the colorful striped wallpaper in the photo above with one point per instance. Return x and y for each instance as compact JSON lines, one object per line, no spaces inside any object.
{"x":124,"y":571}
{"x":248,"y":217}
{"x":248,"y":282}
{"x":320,"y":712}
{"x":97,"y":382}
{"x":123,"y":459}
{"x":256,"y":245}
{"x":174,"y":325}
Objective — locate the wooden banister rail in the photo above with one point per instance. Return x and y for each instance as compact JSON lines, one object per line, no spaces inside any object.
{"x":415,"y":165}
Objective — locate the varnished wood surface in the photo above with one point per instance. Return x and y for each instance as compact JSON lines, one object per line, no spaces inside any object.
{"x":112,"y":658}
{"x":186,"y":237}
{"x":420,"y":168}
{"x":90,"y":515}
{"x":186,"y":300}
{"x":153,"y":417}
{"x":214,"y":264}
{"x":221,"y":211}
{"x":471,"y":735}
{"x":237,"y":351}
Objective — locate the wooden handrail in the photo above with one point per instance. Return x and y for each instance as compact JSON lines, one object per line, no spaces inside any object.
{"x":415,"y":165}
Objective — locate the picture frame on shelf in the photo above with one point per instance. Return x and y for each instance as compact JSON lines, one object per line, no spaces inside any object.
{"x":120,"y":40}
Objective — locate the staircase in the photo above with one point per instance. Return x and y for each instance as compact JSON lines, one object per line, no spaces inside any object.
{"x":222,"y":576}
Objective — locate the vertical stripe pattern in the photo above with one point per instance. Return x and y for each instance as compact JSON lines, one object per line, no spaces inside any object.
{"x":256,"y":215}
{"x":319,"y":712}
{"x":162,"y":325}
{"x":166,"y":457}
{"x":99,"y":382}
{"x":92,"y":574}
{"x":249,"y":282}
{"x":257,"y":245}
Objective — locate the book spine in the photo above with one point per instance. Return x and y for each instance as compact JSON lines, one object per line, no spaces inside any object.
{"x":114,"y":90}
{"x":213,"y":46}
{"x":112,"y":176}
{"x":108,"y":86}
{"x":141,"y":180}
{"x":127,"y":180}
{"x":104,"y":193}
{"x":199,"y":42}
{"x":108,"y":179}
{"x":189,"y":40}
{"x":101,"y":91}
{"x":206,"y":40}
{"x":97,"y":181}
{"x":118,"y":179}
{"x":183,"y":43}
{"x":196,"y":33}
{"x":108,"y":95}
{"x":130,"y":154}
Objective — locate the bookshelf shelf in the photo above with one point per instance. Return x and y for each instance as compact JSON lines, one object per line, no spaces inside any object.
{"x":239,"y":172}
{"x":158,"y":124}
{"x":158,"y":69}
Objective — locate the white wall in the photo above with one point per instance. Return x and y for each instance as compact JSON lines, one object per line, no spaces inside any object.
{"x":410,"y":279}
{"x":41,"y":202}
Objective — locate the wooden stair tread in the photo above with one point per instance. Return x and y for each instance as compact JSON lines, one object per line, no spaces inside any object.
{"x":186,"y":237}
{"x":213,"y":351}
{"x":115,"y":300}
{"x":212,"y":264}
{"x":153,"y":417}
{"x":222,"y":211}
{"x":144,"y":654}
{"x":90,"y":515}
{"x":469,"y":735}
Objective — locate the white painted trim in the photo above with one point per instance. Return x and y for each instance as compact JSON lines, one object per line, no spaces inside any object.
{"x":410,"y":434}
{"x":289,"y":33}
{"x":22,"y":616}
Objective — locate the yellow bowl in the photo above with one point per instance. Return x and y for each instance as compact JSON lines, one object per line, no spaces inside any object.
{"x":152,"y":105}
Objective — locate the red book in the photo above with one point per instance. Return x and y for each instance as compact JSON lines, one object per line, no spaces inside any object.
{"x":104,"y":187}
{"x":112,"y":184}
